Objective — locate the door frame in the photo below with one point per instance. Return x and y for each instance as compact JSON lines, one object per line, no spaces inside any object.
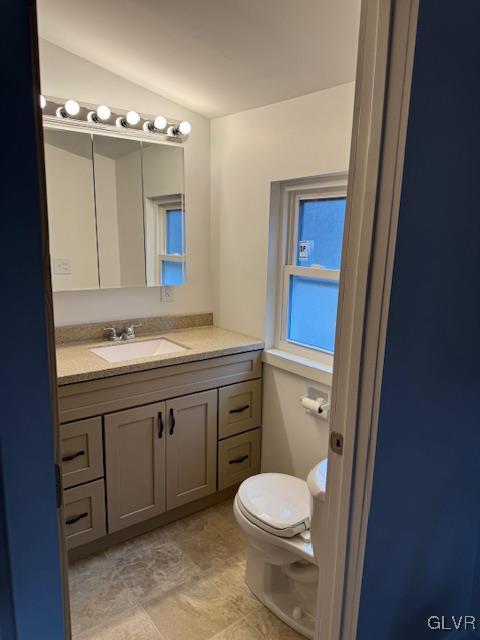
{"x":382,"y":97}
{"x":31,"y":300}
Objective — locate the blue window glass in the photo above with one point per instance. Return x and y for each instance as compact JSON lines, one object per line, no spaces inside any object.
{"x":174,"y":231}
{"x":313,"y":312}
{"x":172,"y":273}
{"x":320,"y":233}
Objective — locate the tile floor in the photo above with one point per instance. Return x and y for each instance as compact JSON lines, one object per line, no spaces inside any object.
{"x":183,"y":581}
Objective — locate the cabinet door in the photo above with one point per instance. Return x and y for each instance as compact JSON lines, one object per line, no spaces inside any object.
{"x":135,"y":465}
{"x":191,"y":448}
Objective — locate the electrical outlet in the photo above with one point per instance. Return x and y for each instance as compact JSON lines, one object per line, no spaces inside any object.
{"x":167,"y":294}
{"x":62,"y":266}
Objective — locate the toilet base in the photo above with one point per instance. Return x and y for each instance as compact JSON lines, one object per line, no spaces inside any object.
{"x":289,"y":591}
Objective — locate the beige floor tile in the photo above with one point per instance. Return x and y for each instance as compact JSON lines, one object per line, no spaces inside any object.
{"x":212,"y":537}
{"x":210,"y":549}
{"x":184,"y":581}
{"x":269,"y":627}
{"x":240,"y":630}
{"x":199,"y":609}
{"x":148,"y":541}
{"x":150,"y":568}
{"x":231,"y":580}
{"x":96,"y":593}
{"x":133,"y":624}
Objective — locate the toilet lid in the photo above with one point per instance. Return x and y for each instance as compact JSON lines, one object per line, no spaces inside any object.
{"x":277,"y":503}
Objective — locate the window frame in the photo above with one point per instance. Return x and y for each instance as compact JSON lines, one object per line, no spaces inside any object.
{"x":159,"y":208}
{"x":327,"y":187}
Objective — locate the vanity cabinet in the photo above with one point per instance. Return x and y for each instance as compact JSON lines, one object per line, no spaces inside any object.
{"x":139,"y":445}
{"x":135,"y":464}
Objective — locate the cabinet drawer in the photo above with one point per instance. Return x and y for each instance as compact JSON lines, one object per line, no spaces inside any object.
{"x":238,"y":458}
{"x":84,"y":512}
{"x":82,"y":451}
{"x":239,"y":408}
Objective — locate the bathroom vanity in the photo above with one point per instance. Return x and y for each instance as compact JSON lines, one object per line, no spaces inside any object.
{"x":155,"y":427}
{"x":146,"y":441}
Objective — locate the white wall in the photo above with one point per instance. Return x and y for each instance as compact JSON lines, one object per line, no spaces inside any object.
{"x":107,"y":220}
{"x":66,"y":75}
{"x":302,"y":137}
{"x":128,"y":173}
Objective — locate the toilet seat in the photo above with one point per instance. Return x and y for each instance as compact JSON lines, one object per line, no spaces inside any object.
{"x":277,"y":503}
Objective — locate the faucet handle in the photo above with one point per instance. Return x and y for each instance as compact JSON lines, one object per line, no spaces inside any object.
{"x":129,"y":331}
{"x":111,"y":333}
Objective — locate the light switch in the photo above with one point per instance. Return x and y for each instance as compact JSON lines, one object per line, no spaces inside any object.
{"x":62,"y":266}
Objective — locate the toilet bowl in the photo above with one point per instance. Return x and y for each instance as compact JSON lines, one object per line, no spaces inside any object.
{"x":277,"y":512}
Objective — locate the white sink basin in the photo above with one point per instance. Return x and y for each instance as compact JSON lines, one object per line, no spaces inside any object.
{"x":132,"y":350}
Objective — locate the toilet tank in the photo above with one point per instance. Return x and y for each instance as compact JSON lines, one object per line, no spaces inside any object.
{"x":317,"y":485}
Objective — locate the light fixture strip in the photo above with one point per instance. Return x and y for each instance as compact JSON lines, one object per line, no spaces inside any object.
{"x":72,"y":111}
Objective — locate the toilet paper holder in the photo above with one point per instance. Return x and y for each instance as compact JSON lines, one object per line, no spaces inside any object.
{"x":315,"y":403}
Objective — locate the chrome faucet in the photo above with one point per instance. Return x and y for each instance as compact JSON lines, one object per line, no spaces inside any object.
{"x":111,"y":334}
{"x":128,"y":333}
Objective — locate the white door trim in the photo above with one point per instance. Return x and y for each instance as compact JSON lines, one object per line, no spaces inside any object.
{"x":385,"y":63}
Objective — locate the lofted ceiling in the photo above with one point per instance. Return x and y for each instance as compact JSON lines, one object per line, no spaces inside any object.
{"x":213,"y":56}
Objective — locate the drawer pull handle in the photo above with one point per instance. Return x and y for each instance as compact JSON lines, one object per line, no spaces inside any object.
{"x":238,"y":460}
{"x":76,"y":518}
{"x":172,"y":422}
{"x":73,"y":456}
{"x":160,"y":424}
{"x":241,"y":409}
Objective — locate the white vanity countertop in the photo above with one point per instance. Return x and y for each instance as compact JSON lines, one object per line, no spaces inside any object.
{"x":76,"y":363}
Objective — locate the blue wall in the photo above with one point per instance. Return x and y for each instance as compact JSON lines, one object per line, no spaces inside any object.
{"x":30,"y":582}
{"x":424,"y":523}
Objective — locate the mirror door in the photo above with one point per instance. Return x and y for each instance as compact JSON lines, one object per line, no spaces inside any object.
{"x":119,"y":203}
{"x":71,"y":210}
{"x":116,"y":211}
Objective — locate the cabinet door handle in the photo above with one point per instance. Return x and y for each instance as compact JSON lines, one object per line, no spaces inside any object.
{"x":172,"y":422}
{"x":73,"y":456}
{"x":76,"y":518}
{"x":160,"y":424}
{"x":240,"y":409}
{"x":238,"y":460}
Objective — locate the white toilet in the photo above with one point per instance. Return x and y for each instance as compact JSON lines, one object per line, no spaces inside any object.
{"x":277,"y":513}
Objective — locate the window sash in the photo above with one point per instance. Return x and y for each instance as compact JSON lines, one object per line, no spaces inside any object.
{"x":305,"y":272}
{"x":166,"y":205}
{"x":334,"y":186}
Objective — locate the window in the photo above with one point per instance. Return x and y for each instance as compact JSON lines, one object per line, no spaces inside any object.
{"x":312,"y":235}
{"x":165,"y":221}
{"x":173,"y":260}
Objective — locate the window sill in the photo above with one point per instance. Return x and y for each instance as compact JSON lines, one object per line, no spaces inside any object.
{"x":304,"y":367}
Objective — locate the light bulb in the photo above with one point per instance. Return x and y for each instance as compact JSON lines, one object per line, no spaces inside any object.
{"x":43,"y":102}
{"x":184,"y":127}
{"x":103,"y":112}
{"x":160,"y":122}
{"x":72,"y":107}
{"x":132,"y":118}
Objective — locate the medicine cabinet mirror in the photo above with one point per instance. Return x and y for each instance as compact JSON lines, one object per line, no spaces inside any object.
{"x":115,"y":210}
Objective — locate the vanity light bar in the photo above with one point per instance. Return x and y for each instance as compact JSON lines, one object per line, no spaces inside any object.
{"x":103,"y":115}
